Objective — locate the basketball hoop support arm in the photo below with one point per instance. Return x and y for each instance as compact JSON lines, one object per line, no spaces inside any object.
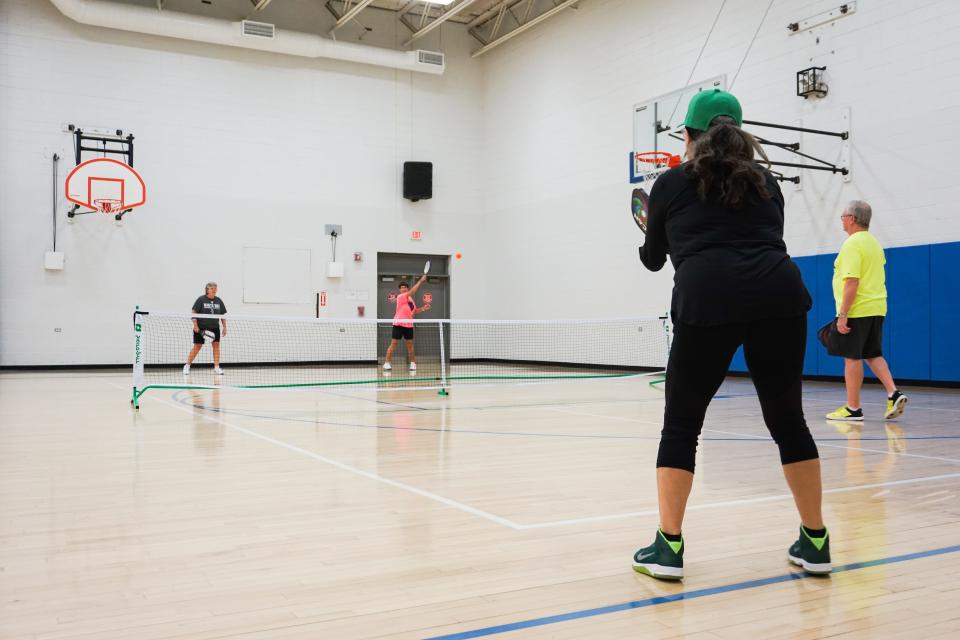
{"x":125,"y":142}
{"x":795,"y":148}
{"x":843,"y":135}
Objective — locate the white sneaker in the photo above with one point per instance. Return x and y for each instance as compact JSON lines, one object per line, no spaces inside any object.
{"x":217,"y":371}
{"x":186,"y":369}
{"x":413,"y":366}
{"x":387,"y":366}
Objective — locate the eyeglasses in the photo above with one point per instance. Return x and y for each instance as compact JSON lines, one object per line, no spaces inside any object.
{"x":846,"y":215}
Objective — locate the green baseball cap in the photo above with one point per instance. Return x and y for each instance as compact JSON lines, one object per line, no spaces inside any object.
{"x":707,"y":105}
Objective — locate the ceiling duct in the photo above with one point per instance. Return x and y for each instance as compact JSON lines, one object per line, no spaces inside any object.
{"x":186,"y":26}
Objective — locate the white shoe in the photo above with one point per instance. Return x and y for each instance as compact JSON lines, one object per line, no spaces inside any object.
{"x":186,"y":369}
{"x":387,"y":366}
{"x":217,"y":371}
{"x":413,"y":366}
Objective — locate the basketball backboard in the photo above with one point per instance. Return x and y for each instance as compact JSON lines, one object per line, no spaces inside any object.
{"x":106,"y":185}
{"x":657,"y":122}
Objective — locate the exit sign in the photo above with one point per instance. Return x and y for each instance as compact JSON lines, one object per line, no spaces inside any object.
{"x":416,"y":235}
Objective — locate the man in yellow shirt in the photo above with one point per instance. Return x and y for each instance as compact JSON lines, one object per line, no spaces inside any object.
{"x":860,"y":292}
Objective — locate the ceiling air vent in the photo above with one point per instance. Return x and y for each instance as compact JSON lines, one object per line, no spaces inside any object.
{"x":257,"y":29}
{"x":430,"y":57}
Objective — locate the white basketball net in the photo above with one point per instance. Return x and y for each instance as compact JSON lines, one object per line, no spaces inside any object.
{"x":106,"y":205}
{"x":647,"y":171}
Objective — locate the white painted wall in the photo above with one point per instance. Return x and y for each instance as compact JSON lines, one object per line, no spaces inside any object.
{"x":238,"y":149}
{"x":557,"y":111}
{"x":530,"y":142}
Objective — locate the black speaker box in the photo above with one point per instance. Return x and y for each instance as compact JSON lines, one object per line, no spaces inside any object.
{"x":417,"y":180}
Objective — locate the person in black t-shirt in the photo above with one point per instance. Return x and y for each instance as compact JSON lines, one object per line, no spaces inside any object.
{"x":207,"y":304}
{"x":720,"y":218}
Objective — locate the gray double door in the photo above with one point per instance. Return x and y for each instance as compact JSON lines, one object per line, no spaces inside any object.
{"x":394,"y":268}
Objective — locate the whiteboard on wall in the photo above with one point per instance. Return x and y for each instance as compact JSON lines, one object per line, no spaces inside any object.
{"x":277,"y":276}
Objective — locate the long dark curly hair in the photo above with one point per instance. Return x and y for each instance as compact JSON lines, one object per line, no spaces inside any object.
{"x":722,"y":164}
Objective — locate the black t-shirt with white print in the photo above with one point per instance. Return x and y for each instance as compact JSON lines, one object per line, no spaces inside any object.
{"x":206,"y":305}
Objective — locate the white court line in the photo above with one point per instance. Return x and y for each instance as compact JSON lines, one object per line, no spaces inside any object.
{"x":344,"y":467}
{"x":732,"y":503}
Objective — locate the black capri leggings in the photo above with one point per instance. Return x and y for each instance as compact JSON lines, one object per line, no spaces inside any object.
{"x":699,"y":359}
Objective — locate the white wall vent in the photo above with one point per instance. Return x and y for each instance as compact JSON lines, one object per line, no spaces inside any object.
{"x":430,"y":57}
{"x":257,"y":29}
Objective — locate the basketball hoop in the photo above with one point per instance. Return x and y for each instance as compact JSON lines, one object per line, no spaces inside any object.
{"x":107,"y":205}
{"x":105,"y":185}
{"x":659,"y":158}
{"x":648,"y":165}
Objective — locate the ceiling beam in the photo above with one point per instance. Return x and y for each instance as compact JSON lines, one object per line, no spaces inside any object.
{"x":350,"y":15}
{"x":523,"y":27}
{"x":491,"y":13}
{"x":443,"y":17}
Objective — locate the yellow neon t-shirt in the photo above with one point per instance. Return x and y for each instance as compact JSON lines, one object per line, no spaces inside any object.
{"x":861,"y":256}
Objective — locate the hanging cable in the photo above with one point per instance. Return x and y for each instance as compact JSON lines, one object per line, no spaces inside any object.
{"x":750,"y":46}
{"x":697,"y":61}
{"x":56,"y":159}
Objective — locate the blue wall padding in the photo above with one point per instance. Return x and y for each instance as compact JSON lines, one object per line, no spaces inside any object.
{"x":808,"y":270}
{"x":921,"y":338}
{"x":908,"y":312}
{"x":945,"y":311}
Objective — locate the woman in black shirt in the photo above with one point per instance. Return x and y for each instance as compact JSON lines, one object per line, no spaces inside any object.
{"x":207,"y":304}
{"x":720,"y":216}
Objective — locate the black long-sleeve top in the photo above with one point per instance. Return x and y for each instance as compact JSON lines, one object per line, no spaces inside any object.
{"x":731,"y":264}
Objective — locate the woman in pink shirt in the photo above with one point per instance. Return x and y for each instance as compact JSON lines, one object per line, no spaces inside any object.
{"x":402,"y":325}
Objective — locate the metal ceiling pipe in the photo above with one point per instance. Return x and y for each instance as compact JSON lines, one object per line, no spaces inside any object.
{"x":185,"y":26}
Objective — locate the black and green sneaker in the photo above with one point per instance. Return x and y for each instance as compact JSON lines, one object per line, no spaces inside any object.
{"x":663,"y":559}
{"x":813,"y":554}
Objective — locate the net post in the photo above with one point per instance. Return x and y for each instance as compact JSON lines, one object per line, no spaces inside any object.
{"x":138,"y":348}
{"x":665,"y":321}
{"x":443,"y":363}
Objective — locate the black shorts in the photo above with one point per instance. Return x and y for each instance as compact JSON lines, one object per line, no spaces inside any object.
{"x":198,"y":337}
{"x":402,"y":333}
{"x":864,"y":341}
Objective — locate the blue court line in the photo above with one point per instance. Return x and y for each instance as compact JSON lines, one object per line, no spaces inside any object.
{"x":179,"y":398}
{"x":685,"y":595}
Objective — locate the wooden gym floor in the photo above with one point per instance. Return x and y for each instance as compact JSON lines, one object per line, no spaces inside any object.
{"x":503,"y":512}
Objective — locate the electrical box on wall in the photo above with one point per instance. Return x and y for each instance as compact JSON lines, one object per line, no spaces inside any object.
{"x":335,"y":269}
{"x":53,"y":260}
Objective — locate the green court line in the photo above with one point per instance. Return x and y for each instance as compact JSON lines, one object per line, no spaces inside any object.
{"x":139,"y":392}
